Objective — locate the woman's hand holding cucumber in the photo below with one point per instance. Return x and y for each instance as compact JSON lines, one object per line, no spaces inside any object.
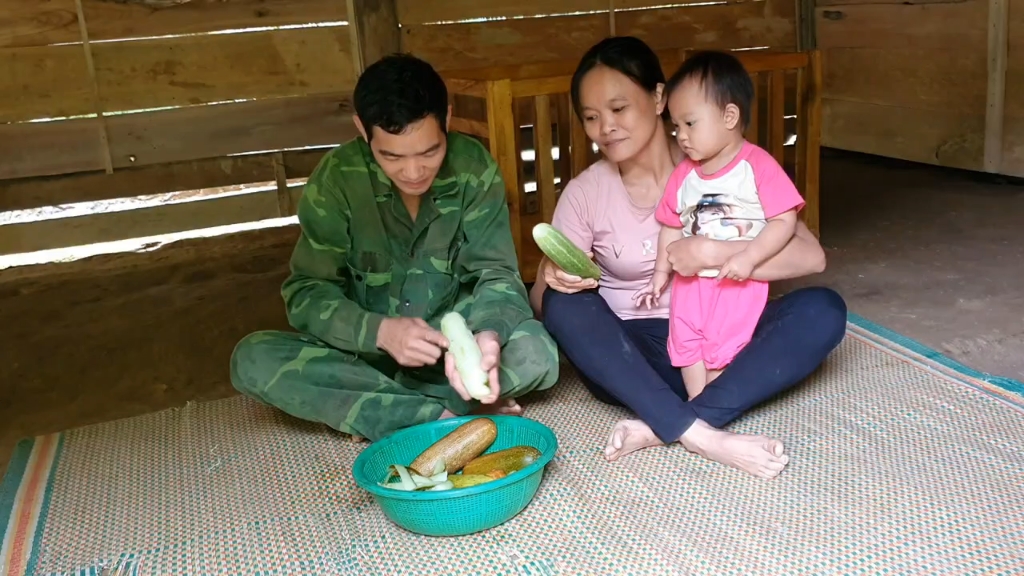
{"x":562,"y":281}
{"x":565,"y":267}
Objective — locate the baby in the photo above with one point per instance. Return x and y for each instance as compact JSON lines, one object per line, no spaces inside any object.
{"x":725,"y":189}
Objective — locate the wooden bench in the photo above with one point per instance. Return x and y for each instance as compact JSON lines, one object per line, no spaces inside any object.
{"x":505,"y":105}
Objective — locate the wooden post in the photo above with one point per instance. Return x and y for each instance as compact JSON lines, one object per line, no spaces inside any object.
{"x":502,"y":127}
{"x":998,"y":24}
{"x":807,"y":31}
{"x":374,"y":32}
{"x":808,"y":140}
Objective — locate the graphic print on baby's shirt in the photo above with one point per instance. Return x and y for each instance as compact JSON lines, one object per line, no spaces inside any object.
{"x":723,"y":207}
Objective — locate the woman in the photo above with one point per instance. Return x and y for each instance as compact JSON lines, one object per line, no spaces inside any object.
{"x":620,"y":349}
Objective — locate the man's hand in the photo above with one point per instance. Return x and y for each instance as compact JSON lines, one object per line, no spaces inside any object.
{"x":490,"y":352}
{"x":411,"y":341}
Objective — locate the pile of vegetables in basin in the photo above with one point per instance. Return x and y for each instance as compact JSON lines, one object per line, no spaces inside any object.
{"x":458,"y":461}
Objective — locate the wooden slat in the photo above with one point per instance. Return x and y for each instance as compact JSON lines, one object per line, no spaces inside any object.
{"x":776,"y":114}
{"x":26,"y":193}
{"x":53,"y":81}
{"x":903,"y":26}
{"x":210,"y":131}
{"x":935,"y":137}
{"x":45,"y":82}
{"x":507,"y":42}
{"x":467,"y":126}
{"x":139,"y":223}
{"x":413,"y":12}
{"x":766,"y":61}
{"x":545,"y":166}
{"x":45,"y":22}
{"x":1013,"y":146}
{"x":375,"y":30}
{"x":50,"y":148}
{"x":753,"y":129}
{"x":468,"y":79}
{"x":808,"y":142}
{"x":541,"y":86}
{"x":45,"y":148}
{"x":1013,"y":128}
{"x":736,"y":25}
{"x":37,"y":22}
{"x":998,"y":28}
{"x":503,"y":149}
{"x":563,"y":112}
{"x":926,"y":68}
{"x":285,"y":206}
{"x":1014,"y":104}
{"x":951,"y":80}
{"x":561,"y":40}
{"x":845,"y":3}
{"x":580,"y":145}
{"x":101,"y":122}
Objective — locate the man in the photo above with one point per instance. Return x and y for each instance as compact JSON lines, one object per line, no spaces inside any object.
{"x":398,"y":227}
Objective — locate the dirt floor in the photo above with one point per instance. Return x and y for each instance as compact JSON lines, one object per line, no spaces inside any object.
{"x":930,"y":253}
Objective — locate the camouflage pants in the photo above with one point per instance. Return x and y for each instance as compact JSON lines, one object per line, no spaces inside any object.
{"x":371,"y":395}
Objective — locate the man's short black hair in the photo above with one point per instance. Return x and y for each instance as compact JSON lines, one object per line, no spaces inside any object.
{"x":722,"y":77}
{"x":399,"y":90}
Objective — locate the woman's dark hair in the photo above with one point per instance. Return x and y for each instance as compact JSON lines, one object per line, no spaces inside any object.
{"x":624,"y":54}
{"x":722,"y":76}
{"x":398,"y":90}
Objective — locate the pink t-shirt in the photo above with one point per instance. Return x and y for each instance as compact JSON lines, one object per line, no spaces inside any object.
{"x":596,"y":213}
{"x":731,"y":204}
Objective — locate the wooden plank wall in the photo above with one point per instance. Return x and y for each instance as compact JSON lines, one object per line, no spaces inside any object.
{"x":102,"y":100}
{"x":507,"y":32}
{"x":932,"y":81}
{"x":461,"y":34}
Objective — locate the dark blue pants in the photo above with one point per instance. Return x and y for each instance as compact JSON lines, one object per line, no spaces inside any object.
{"x":625,"y":362}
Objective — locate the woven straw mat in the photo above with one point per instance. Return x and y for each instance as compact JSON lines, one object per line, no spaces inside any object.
{"x":895,"y":469}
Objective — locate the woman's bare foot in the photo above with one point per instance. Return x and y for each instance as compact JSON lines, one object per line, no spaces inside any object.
{"x":627,"y":437}
{"x":758,"y":455}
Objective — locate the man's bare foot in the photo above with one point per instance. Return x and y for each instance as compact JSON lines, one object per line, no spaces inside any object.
{"x":507,"y":407}
{"x":504,"y":407}
{"x":627,"y":437}
{"x":758,"y":455}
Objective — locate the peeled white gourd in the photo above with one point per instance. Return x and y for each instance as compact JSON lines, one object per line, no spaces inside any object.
{"x":464,"y":348}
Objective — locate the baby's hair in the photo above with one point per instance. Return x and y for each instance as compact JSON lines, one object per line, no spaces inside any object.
{"x":722,"y":77}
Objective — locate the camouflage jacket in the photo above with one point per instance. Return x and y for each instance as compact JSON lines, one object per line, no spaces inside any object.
{"x":361,"y":258}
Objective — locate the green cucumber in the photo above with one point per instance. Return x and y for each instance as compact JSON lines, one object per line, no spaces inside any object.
{"x":564,"y":253}
{"x":468,"y":358}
